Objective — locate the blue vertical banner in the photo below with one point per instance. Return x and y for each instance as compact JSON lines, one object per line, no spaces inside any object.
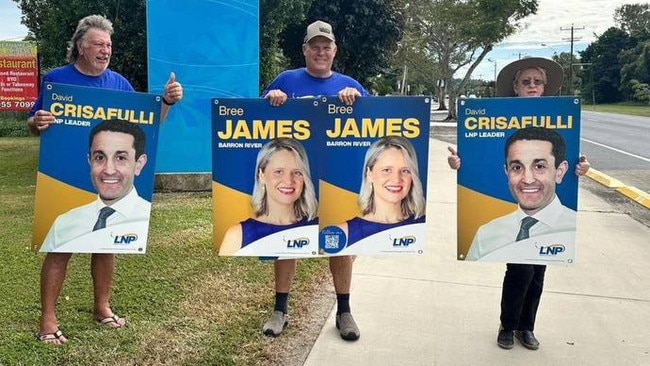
{"x":374,"y":175}
{"x":67,"y":200}
{"x":213,"y":48}
{"x":518,"y":159}
{"x":264,"y":177}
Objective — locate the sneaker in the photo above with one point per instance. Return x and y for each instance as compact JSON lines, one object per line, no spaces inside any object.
{"x":527,"y":339}
{"x":505,"y":339}
{"x":347,"y":327}
{"x":276,"y":323}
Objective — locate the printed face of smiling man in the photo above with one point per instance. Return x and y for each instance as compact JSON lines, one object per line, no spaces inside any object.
{"x":532,"y":175}
{"x":113,"y":165}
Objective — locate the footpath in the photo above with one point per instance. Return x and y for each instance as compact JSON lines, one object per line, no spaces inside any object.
{"x":435,"y":310}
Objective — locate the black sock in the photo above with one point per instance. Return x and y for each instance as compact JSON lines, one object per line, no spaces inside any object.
{"x":281,"y":299}
{"x":343,"y":303}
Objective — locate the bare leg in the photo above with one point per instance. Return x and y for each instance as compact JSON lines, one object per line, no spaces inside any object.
{"x":285,"y":270}
{"x":53,"y":274}
{"x":102,"y":267}
{"x":341,"y":268}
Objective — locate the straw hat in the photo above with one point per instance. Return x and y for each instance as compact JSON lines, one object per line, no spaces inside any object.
{"x":554,"y":75}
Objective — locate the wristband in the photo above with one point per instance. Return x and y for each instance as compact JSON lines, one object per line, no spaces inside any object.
{"x":166,"y":102}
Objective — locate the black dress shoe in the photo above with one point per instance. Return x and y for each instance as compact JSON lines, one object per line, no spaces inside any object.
{"x":527,"y":339}
{"x":505,"y":339}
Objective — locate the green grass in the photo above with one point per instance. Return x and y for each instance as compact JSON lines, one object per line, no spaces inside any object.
{"x":13,"y":124}
{"x":185,"y":305}
{"x":630,"y":109}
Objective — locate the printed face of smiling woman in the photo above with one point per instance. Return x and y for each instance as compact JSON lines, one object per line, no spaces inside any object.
{"x":391,"y":177}
{"x":283,"y":178}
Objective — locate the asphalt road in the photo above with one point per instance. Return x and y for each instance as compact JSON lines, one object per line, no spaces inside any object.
{"x":616,"y":145}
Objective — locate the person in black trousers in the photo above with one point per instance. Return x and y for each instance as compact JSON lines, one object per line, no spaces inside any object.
{"x":523,"y":283}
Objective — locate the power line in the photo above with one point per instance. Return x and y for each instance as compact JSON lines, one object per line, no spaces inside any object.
{"x":571,"y":90}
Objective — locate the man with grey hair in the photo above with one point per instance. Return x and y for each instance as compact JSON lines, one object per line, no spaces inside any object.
{"x":89,"y":53}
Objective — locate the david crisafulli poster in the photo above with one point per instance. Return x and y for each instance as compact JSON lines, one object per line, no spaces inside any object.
{"x":517,"y":187}
{"x":96,"y":170}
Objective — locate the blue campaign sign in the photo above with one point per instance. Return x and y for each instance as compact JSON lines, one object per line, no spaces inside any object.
{"x":484,"y":186}
{"x":77,"y":110}
{"x":245,"y":131}
{"x":64,"y":174}
{"x":213,"y":48}
{"x":355,"y":136}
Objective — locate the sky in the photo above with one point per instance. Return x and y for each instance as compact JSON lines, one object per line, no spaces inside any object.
{"x":10,"y":27}
{"x":552,"y":27}
{"x":588,"y":17}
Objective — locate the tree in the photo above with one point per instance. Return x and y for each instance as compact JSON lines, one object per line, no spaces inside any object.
{"x":457,"y":33}
{"x":412,"y":63}
{"x":641,"y":91}
{"x":565,"y":60}
{"x":51,"y":24}
{"x":275,"y":15}
{"x":367,"y":32}
{"x":603,"y":54}
{"x":635,"y":71}
{"x":634,"y":19}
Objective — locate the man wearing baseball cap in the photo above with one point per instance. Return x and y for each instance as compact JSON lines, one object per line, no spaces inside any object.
{"x":314,"y":80}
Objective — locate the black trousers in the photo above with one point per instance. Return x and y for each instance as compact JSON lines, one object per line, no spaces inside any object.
{"x":522,"y":290}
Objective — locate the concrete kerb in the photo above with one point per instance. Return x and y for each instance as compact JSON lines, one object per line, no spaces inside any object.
{"x":632,"y":193}
{"x":635,"y":194}
{"x":604,"y":179}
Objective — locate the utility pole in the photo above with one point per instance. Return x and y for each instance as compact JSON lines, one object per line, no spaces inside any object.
{"x":403,"y":88}
{"x":494,"y":61}
{"x":571,"y":90}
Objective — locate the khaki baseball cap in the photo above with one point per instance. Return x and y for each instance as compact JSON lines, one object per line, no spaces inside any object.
{"x":319,"y":28}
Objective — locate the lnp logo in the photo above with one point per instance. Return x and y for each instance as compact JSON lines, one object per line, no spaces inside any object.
{"x":551,"y":250}
{"x":404,"y":241}
{"x":297,"y":243}
{"x":125,"y":239}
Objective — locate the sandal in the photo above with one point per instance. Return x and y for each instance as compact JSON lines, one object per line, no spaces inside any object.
{"x":51,"y":338}
{"x":112,"y":321}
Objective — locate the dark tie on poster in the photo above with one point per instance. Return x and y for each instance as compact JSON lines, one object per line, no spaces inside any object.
{"x":104,"y":213}
{"x":526,"y":224}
